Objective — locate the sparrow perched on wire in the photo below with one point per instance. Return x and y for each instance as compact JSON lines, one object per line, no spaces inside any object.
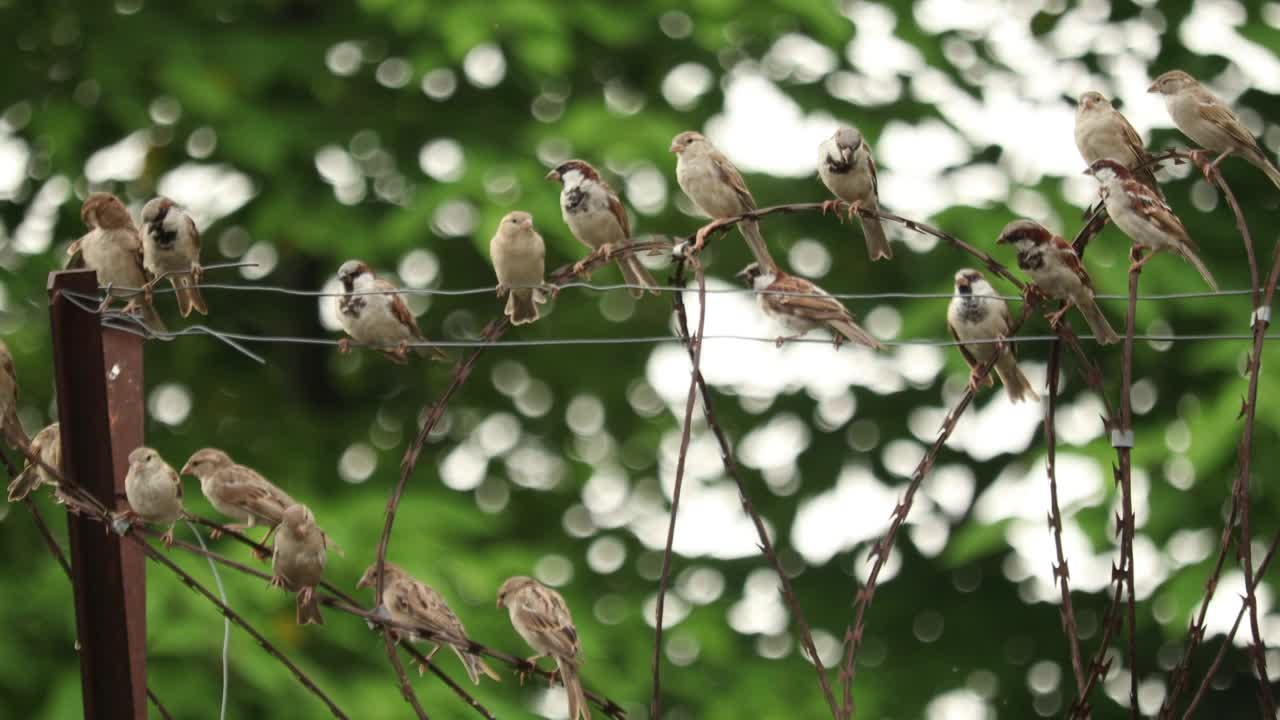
{"x":1145,"y":218}
{"x":1102,"y":133}
{"x":113,"y":249}
{"x":849,"y":172}
{"x":236,"y":491}
{"x":540,"y":615}
{"x":519,"y":260}
{"x":297,"y":560}
{"x":46,"y":445}
{"x":154,"y":490}
{"x":1056,"y":270}
{"x":1206,"y":119}
{"x":597,"y":219}
{"x":716,"y":187}
{"x":978,"y":316}
{"x":415,"y":604}
{"x":374,"y":314}
{"x":9,"y":421}
{"x":171,"y":248}
{"x":802,"y":306}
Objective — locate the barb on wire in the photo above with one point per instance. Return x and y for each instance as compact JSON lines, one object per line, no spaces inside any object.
{"x":1061,"y":571}
{"x":884,"y":546}
{"x":1123,"y":475}
{"x":686,"y":431}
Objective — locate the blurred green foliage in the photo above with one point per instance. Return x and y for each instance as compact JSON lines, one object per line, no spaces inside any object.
{"x":81,"y":76}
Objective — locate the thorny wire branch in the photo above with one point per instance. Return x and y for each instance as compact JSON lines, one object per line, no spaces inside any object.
{"x":406,"y":688}
{"x":1226,"y":642}
{"x":434,"y":411}
{"x":338,"y":600}
{"x":1061,"y":571}
{"x":882,"y":548}
{"x":744,"y":496}
{"x":1240,"y":488}
{"x":686,"y":431}
{"x":1123,"y":477}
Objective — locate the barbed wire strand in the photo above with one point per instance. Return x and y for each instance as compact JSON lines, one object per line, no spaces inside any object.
{"x":1124,"y":474}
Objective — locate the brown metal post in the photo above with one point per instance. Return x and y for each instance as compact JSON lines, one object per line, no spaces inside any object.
{"x":100,"y":407}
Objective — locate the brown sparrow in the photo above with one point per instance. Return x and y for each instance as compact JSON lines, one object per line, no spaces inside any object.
{"x":1056,"y":270}
{"x":542,"y":618}
{"x":154,"y":490}
{"x":849,"y":172}
{"x":519,"y":259}
{"x":297,"y":560}
{"x":113,"y":249}
{"x":716,"y":187}
{"x":597,"y":219}
{"x":415,"y":604}
{"x":9,"y":421}
{"x":802,"y":306}
{"x":237,"y":491}
{"x":1203,"y":117}
{"x":47,"y":445}
{"x":1102,"y":133}
{"x":171,"y":247}
{"x":976,"y":313}
{"x":1145,"y":218}
{"x":374,"y":314}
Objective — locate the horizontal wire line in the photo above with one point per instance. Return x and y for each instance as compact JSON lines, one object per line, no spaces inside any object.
{"x":490,"y":290}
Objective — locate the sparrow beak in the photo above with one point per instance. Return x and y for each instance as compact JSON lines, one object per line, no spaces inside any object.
{"x":186,"y":469}
{"x":1087,"y":171}
{"x":743,"y":277}
{"x":364,"y":583}
{"x":674,"y":148}
{"x":1002,"y":240}
{"x":553,"y":176}
{"x":1153,"y":88}
{"x":962,"y":283}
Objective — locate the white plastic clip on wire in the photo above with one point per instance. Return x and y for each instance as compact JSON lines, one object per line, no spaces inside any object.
{"x":1260,"y":314}
{"x":1122,"y":438}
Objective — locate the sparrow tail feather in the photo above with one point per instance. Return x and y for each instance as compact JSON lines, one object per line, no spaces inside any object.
{"x":573,"y":688}
{"x":1102,"y":330}
{"x":1017,"y":384}
{"x":755,"y":242}
{"x":22,"y":485}
{"x":877,"y":243}
{"x":309,"y":609}
{"x":1265,"y":166}
{"x":522,"y":306}
{"x":856,"y":334}
{"x":188,"y":294}
{"x":1200,"y":267}
{"x":634,"y":273}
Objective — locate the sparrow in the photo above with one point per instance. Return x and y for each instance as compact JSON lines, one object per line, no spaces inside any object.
{"x":976,"y":313}
{"x":1056,"y":270}
{"x":1102,"y":133}
{"x":297,"y":560}
{"x":1206,"y":119}
{"x":597,"y":219}
{"x":540,"y":615}
{"x":154,"y":490}
{"x":415,"y":604}
{"x":849,"y":172}
{"x":802,"y":306}
{"x":716,"y":187}
{"x":113,"y":249}
{"x":236,"y":491}
{"x":374,"y":314}
{"x":1145,"y":218}
{"x":9,"y":421}
{"x":47,"y":445}
{"x":171,"y":247}
{"x":519,"y":259}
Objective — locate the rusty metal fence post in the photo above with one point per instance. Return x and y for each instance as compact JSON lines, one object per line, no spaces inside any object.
{"x":98,"y":372}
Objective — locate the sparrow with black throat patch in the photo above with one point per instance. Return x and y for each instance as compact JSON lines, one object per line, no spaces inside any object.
{"x":716,"y":187}
{"x":541,"y":616}
{"x":171,"y":248}
{"x":154,"y":491}
{"x":519,"y":261}
{"x":113,"y":249}
{"x":976,"y":319}
{"x":415,"y":604}
{"x":1209,"y":122}
{"x":802,"y":306}
{"x":597,"y":219}
{"x":298,"y":560}
{"x":1103,"y":133}
{"x":1145,"y":218}
{"x":849,"y":172}
{"x":374,"y":314}
{"x":1057,"y":272}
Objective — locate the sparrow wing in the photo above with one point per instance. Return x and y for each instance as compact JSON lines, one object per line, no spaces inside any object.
{"x":871,"y":168}
{"x":75,"y":255}
{"x":969,"y":359}
{"x":246,"y":489}
{"x":1067,"y":256}
{"x":1007,"y":319}
{"x":729,"y":175}
{"x":619,"y":212}
{"x":544,"y":611}
{"x":1212,"y":110}
{"x":430,"y":608}
{"x":1145,"y":203}
{"x":173,"y":477}
{"x":804,"y":298}
{"x":399,"y":309}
